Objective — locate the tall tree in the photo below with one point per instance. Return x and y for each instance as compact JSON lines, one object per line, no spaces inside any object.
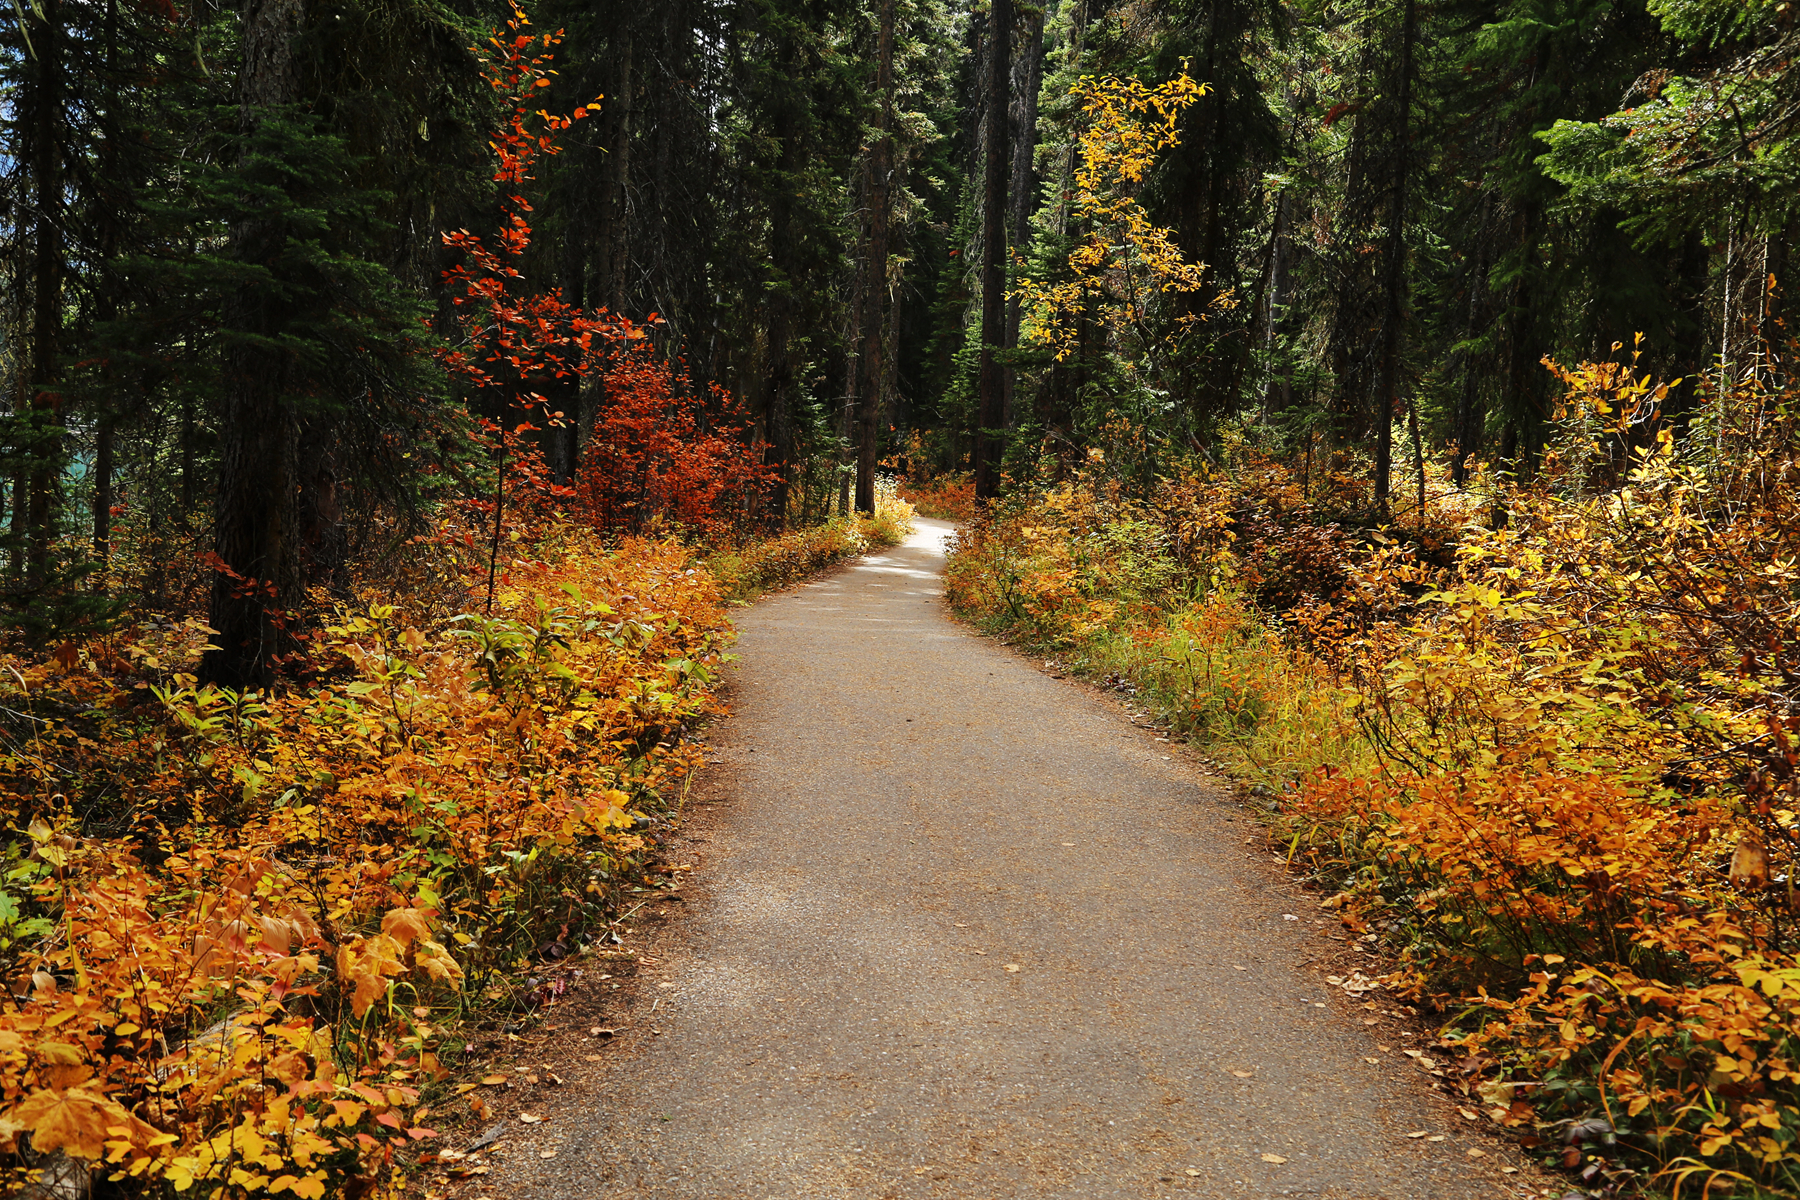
{"x":874,"y":357}
{"x":991,"y":413}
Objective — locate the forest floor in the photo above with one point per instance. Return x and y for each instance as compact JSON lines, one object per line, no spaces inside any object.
{"x":956,"y":928}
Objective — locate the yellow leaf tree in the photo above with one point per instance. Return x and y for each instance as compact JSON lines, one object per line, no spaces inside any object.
{"x":1124,"y":261}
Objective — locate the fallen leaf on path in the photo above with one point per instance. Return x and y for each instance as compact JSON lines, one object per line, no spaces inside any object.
{"x":1474,"y":1153}
{"x":546,"y":1154}
{"x":1417,"y":1134}
{"x":1066,"y":843}
{"x":1013,"y":967}
{"x":981,"y":951}
{"x":1371,"y":1060}
{"x":1191,"y":1171}
{"x":601,"y":1031}
{"x":1235,"y":967}
{"x":1273,"y":1158}
{"x":1289,"y":917}
{"x":1438,"y":1137}
{"x":493,"y":1080}
{"x":1509,"y":1170}
{"x":529,"y":1119}
{"x":1467,"y":1115}
{"x":962,"y":924}
{"x":594,"y":1057}
{"x":1243,"y":1074}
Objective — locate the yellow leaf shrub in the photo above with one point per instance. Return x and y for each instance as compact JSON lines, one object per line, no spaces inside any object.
{"x":1554,"y":761}
{"x":244,"y":988}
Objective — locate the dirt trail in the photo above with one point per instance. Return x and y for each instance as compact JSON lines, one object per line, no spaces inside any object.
{"x":970,"y":935}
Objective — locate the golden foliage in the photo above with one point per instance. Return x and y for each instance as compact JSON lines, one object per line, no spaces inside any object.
{"x":1555,"y":764}
{"x":1123,"y":261}
{"x":245,"y":992}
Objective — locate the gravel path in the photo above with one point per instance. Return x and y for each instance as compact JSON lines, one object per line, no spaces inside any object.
{"x":970,"y":935}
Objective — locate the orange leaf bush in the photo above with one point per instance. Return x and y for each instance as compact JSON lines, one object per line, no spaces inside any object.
{"x":1555,"y":763}
{"x":356,"y":863}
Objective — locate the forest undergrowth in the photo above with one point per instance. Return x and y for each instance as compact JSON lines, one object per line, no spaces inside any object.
{"x":247,"y":934}
{"x":1538,"y":739}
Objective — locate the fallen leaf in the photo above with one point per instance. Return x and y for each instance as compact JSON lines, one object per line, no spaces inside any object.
{"x":1438,"y":1137}
{"x":981,"y":952}
{"x":1014,"y":967}
{"x":1243,"y":1074}
{"x":1371,"y":1060}
{"x":961,"y":925}
{"x":1475,"y":1153}
{"x":1467,"y":1115}
{"x":466,"y":1087}
{"x":1235,"y":967}
{"x":1416,"y":1134}
{"x":1289,"y":917}
{"x":594,"y":1057}
{"x":1068,"y":843}
{"x":529,"y":1119}
{"x":1413,"y":1053}
{"x":531,"y":1079}
{"x":492,"y":1080}
{"x":546,"y":1154}
{"x":1509,"y":1170}
{"x":1191,"y":1171}
{"x":1273,"y":1158}
{"x":665,"y":985}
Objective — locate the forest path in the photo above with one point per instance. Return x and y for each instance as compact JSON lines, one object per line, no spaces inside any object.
{"x":966,"y":933}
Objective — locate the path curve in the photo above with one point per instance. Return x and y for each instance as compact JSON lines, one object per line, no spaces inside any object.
{"x":972,"y":936}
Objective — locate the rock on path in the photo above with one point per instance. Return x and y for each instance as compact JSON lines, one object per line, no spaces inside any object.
{"x":971,"y":936}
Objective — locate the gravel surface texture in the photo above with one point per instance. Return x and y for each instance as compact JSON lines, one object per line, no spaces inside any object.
{"x":962,"y":931}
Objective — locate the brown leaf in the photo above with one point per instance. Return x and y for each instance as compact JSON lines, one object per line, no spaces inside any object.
{"x":1273,"y":1158}
{"x":75,"y":1121}
{"x":1750,"y":864}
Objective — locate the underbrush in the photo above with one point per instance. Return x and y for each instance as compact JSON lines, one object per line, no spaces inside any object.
{"x":943,"y":498}
{"x":785,"y":559}
{"x":244,"y":930}
{"x":248,"y":934}
{"x":1552,"y":764}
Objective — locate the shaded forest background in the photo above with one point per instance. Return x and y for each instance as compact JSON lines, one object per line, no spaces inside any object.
{"x":227,"y":312}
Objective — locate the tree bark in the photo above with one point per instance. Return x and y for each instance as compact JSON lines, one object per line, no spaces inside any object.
{"x":993,"y":255}
{"x":255,"y":517}
{"x":1396,"y":269}
{"x":1027,"y":74}
{"x":47,"y":277}
{"x":881,"y":168}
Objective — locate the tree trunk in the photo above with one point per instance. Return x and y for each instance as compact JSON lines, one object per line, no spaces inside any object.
{"x":47,"y":299}
{"x":881,"y":168}
{"x":255,"y":518}
{"x":616,"y":177}
{"x":1027,"y":76}
{"x":1395,"y":290}
{"x":1522,"y":365}
{"x":1469,"y":417}
{"x":988,"y":447}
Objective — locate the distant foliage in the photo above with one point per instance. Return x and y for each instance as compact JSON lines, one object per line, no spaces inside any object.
{"x":666,"y":455}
